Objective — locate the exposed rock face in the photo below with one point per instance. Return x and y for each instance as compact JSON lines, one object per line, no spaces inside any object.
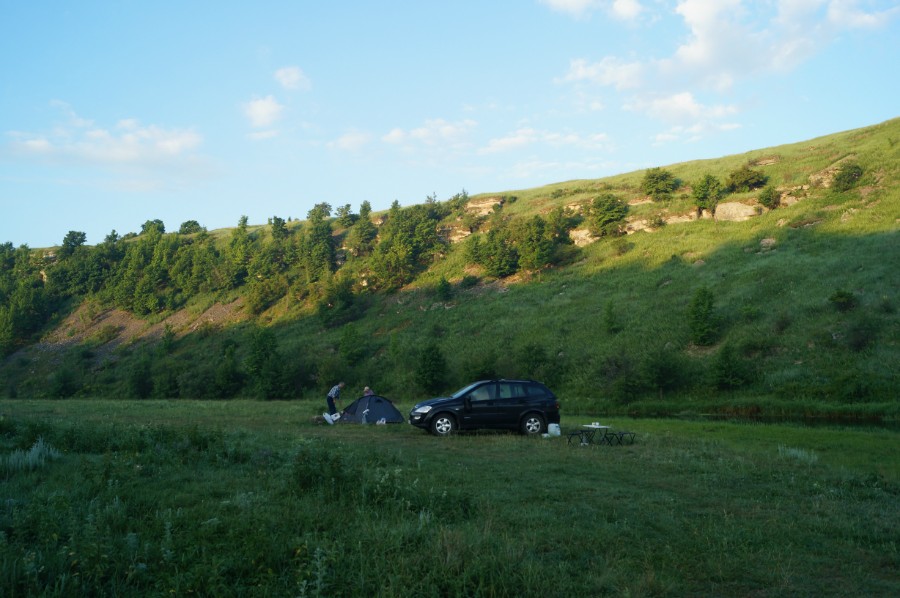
{"x":483,"y":207}
{"x":734,"y":211}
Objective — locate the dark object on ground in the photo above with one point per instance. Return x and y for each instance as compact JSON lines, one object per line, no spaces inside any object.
{"x":523,"y":405}
{"x":371,"y":410}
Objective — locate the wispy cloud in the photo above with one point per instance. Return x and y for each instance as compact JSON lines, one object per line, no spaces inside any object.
{"x":127,"y":156}
{"x":727,"y":43}
{"x":129,"y":142}
{"x":625,"y":10}
{"x":352,"y":141}
{"x":293,"y":78}
{"x":432,"y":133}
{"x":526,"y":136}
{"x":609,"y":71}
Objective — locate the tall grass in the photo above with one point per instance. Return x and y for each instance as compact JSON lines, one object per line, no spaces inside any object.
{"x":245,"y":498}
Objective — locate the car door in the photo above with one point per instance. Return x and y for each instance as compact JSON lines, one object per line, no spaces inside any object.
{"x":480,"y":409}
{"x":511,"y":402}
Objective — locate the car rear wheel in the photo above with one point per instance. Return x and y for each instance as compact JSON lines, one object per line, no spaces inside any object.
{"x":443,"y":424}
{"x":532,"y":424}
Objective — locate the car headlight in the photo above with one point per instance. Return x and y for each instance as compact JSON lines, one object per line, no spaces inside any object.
{"x":422,"y":410}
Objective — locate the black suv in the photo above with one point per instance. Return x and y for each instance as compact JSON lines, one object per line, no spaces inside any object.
{"x":522,"y":405}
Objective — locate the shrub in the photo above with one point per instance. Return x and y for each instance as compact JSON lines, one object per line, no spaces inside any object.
{"x":770,"y":197}
{"x":842,"y":300}
{"x":607,"y":215}
{"x":707,"y":192}
{"x":468,"y":281}
{"x":659,"y":184}
{"x":431,"y":369}
{"x":862,"y":333}
{"x":847,"y":176}
{"x":745,"y":179}
{"x":700,"y":317}
{"x":729,"y":371}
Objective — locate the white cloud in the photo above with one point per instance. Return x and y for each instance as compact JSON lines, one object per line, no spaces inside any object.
{"x":128,"y":145}
{"x":624,"y":10}
{"x":351,"y":141}
{"x":727,"y":41}
{"x":679,"y":108}
{"x":525,"y":137}
{"x":844,"y":13}
{"x":576,"y":8}
{"x":515,"y":140}
{"x":609,"y":71}
{"x":432,"y":133}
{"x":263,"y":112}
{"x":292,"y":77}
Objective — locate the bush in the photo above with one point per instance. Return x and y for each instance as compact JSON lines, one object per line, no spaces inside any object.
{"x":729,"y":371}
{"x":659,"y":184}
{"x":706,"y":193}
{"x":431,"y":369}
{"x":700,"y":317}
{"x":770,"y":197}
{"x":842,"y":300}
{"x":745,"y":179}
{"x":847,"y":176}
{"x":607,"y":215}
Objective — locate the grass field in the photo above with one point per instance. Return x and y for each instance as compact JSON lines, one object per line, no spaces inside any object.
{"x":252,"y":498}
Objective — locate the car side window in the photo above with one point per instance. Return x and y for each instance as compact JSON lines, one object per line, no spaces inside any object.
{"x":536,"y":390}
{"x":509,"y":390}
{"x":482,"y":393}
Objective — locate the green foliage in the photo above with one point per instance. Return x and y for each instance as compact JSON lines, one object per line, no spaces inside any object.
{"x":607,"y":215}
{"x":264,"y":365}
{"x":431,"y":369}
{"x":153,"y":226}
{"x":361,"y":238}
{"x":252,"y":499}
{"x":847,"y":176}
{"x":279,"y":229}
{"x":729,"y":371}
{"x":189,"y":227}
{"x":338,"y":304}
{"x":497,"y":254}
{"x":659,"y":184}
{"x":72,"y":241}
{"x":701,"y":318}
{"x":229,"y":379}
{"x":533,"y":244}
{"x":345,"y":217}
{"x":140,"y":377}
{"x":353,"y":346}
{"x":770,"y":197}
{"x":745,"y":179}
{"x":443,"y":290}
{"x":707,"y":192}
{"x":843,"y":300}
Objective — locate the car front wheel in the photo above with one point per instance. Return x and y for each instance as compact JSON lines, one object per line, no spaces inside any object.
{"x":443,"y":424}
{"x":533,"y":424}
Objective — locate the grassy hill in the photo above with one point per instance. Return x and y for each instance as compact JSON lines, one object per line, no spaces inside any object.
{"x":798,"y":303}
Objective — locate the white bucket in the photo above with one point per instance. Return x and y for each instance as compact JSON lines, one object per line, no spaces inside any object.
{"x":553,"y":430}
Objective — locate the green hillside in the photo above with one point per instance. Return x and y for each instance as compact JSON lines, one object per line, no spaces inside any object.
{"x":612,"y":292}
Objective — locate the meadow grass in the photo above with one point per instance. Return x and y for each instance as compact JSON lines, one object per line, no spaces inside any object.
{"x":252,"y":498}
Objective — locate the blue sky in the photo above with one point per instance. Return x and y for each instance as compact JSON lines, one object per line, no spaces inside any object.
{"x":115,"y":113}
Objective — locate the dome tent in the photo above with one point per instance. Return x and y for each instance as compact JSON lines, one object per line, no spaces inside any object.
{"x":371,"y":410}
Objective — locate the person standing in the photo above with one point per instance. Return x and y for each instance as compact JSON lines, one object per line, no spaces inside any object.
{"x":333,"y":395}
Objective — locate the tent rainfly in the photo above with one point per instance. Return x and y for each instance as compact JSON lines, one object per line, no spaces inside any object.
{"x":371,"y":410}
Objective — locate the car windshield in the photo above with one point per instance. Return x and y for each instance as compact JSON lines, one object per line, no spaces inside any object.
{"x":465,"y":390}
